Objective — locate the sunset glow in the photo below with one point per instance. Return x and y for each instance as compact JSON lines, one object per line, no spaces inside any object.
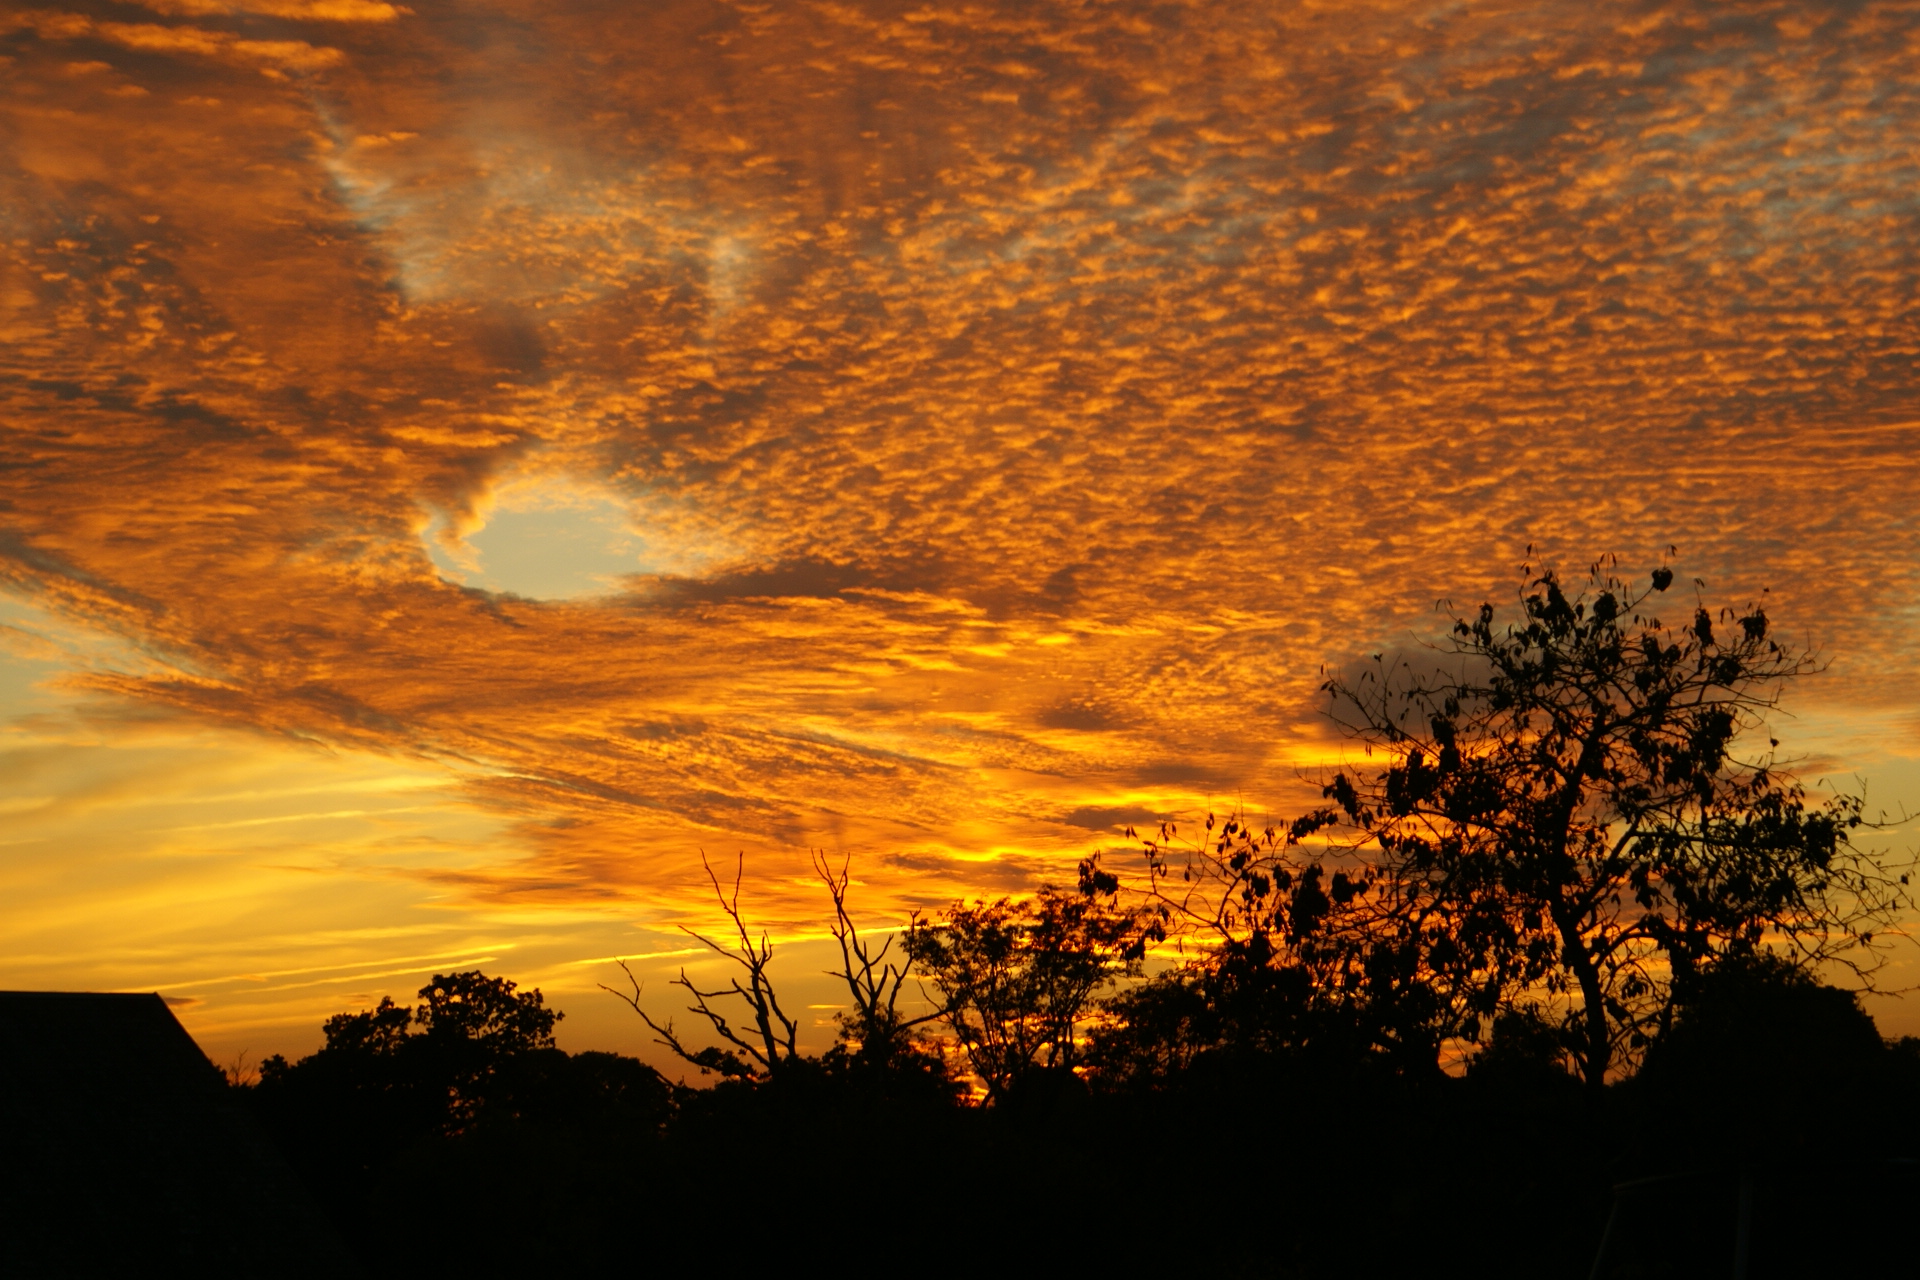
{"x":459,"y":461}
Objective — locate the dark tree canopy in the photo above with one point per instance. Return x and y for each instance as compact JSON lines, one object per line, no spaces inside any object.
{"x":1563,"y":814}
{"x":1018,"y":979}
{"x":485,"y":1012}
{"x":439,"y":1065}
{"x":375,"y":1032}
{"x":488,"y":1014}
{"x":1281,"y":955}
{"x":1582,"y":802}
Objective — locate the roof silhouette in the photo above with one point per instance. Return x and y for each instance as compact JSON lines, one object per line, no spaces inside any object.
{"x":122,"y":1150}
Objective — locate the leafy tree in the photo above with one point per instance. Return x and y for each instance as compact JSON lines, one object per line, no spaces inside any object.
{"x":474,"y":1051}
{"x":434,"y":1066}
{"x":472,"y":1030}
{"x":379,"y":1032}
{"x":485,"y":1013}
{"x":1284,"y":955}
{"x":1018,"y":980}
{"x":487,"y":1017}
{"x":1758,"y":1025}
{"x":1572,"y":817}
{"x":1524,"y":1052}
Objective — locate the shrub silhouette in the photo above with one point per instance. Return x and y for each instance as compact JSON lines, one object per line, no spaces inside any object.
{"x":1754,"y":1037}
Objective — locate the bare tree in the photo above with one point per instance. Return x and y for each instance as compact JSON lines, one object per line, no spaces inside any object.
{"x":769,"y":1045}
{"x":240,"y":1073}
{"x":877,"y":1031}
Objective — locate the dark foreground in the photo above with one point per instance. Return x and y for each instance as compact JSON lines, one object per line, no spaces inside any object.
{"x":1783,"y":1105}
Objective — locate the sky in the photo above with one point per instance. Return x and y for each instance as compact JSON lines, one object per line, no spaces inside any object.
{"x":462,"y":462}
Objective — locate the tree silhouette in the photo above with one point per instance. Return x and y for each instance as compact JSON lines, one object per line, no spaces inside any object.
{"x":1282,"y":956}
{"x":876,"y":1033}
{"x":764,"y":1050}
{"x":475,"y":1052}
{"x":435,"y":1065}
{"x":1017,"y":980}
{"x":371,"y":1033}
{"x":1756,"y":1035}
{"x":472,"y":1028}
{"x":487,"y":1013}
{"x":1566,"y":814}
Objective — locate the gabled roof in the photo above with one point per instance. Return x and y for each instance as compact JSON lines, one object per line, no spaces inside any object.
{"x":122,"y":1151}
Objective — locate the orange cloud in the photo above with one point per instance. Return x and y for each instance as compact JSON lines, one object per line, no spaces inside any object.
{"x":147,"y":37}
{"x":1013,"y":406}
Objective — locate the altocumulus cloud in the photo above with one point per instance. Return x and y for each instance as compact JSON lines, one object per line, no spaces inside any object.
{"x":1014,"y":405}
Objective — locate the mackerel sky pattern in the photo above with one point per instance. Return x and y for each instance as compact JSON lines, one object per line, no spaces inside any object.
{"x":1023,"y":401}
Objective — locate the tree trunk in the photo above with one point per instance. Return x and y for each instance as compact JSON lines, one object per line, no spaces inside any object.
{"x":1599,"y":1048}
{"x":1598,"y":1053}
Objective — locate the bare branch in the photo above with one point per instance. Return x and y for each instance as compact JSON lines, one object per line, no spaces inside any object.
{"x":873,"y":982}
{"x":776,"y":1033}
